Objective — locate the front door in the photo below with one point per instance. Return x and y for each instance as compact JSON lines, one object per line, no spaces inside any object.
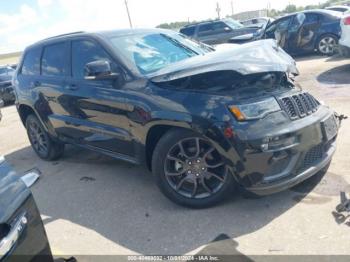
{"x":93,"y":111}
{"x":278,"y":30}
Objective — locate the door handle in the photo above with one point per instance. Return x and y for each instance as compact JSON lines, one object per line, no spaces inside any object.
{"x":8,"y":242}
{"x":72,"y":87}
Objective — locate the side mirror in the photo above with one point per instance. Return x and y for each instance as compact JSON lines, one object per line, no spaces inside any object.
{"x":99,"y":69}
{"x":227,"y":29}
{"x":2,"y":103}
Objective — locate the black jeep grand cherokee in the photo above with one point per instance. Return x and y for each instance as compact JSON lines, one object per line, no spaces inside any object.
{"x":202,"y":120}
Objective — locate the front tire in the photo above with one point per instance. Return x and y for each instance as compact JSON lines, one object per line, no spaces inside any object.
{"x":40,"y":140}
{"x":326,"y":45}
{"x":190,"y":171}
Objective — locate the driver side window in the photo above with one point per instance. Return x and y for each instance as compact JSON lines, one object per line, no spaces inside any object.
{"x":83,"y":52}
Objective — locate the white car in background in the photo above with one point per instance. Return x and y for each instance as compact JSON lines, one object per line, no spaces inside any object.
{"x":344,"y":41}
{"x":339,"y":8}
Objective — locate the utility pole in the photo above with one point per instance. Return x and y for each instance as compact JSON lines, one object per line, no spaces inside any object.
{"x":127,"y":10}
{"x":218,"y":9}
{"x":268,"y":8}
{"x":232,"y":8}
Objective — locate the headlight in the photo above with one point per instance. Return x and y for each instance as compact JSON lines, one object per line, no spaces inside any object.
{"x":255,"y":110}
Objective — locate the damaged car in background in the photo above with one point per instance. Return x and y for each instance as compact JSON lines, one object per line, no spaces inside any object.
{"x":206,"y":122}
{"x":6,"y":89}
{"x":301,"y":33}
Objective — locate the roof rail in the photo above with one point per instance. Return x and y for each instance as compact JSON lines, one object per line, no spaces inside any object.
{"x":202,"y":22}
{"x":72,"y":33}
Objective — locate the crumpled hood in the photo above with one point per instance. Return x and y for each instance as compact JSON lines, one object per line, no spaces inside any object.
{"x":256,"y":57}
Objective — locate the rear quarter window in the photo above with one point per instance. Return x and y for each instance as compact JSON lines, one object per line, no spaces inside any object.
{"x":31,"y":62}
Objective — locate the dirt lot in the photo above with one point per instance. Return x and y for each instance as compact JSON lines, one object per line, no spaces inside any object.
{"x":92,"y":204}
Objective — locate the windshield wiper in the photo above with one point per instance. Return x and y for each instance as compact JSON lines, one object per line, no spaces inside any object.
{"x":178,"y":43}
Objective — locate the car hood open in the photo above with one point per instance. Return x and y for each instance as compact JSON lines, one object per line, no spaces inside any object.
{"x":256,"y":57}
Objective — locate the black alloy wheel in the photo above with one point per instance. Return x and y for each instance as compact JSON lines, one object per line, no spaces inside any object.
{"x":189,"y":170}
{"x":43,"y":145}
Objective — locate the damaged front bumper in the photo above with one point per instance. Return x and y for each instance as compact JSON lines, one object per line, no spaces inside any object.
{"x":276,"y":153}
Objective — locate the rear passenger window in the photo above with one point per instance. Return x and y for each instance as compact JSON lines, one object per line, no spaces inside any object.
{"x":83,"y":52}
{"x":53,"y":61}
{"x":189,"y":31}
{"x":31,"y":62}
{"x":205,"y":28}
{"x":311,"y":19}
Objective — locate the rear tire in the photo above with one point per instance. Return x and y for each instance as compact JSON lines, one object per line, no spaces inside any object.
{"x":43,"y":145}
{"x":326,"y":45}
{"x":190,"y":171}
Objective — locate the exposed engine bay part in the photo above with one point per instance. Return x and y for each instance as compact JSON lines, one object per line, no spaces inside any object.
{"x":231,"y":81}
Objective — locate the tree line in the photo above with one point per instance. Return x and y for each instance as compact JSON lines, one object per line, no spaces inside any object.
{"x":271,"y":13}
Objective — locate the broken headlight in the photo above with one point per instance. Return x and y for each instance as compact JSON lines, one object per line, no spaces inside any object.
{"x":255,"y":110}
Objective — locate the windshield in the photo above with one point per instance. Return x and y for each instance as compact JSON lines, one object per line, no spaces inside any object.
{"x":151,"y":52}
{"x":233,"y":23}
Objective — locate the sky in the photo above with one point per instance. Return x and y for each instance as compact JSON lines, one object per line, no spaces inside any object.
{"x":25,"y":22}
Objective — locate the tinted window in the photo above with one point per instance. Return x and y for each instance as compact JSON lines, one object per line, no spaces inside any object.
{"x":189,"y":31}
{"x":219,"y":26}
{"x":83,"y":52}
{"x":311,"y":19}
{"x":31,"y":63}
{"x":53,"y":61}
{"x":205,"y":28}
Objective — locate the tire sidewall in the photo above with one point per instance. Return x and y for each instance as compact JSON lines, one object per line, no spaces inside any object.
{"x":158,"y":159}
{"x":30,"y":119}
{"x":319,"y":41}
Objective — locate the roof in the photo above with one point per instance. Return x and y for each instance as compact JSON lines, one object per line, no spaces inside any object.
{"x":107,"y":34}
{"x":319,"y":11}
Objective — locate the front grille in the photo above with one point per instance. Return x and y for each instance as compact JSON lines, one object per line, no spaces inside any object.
{"x":299,"y":106}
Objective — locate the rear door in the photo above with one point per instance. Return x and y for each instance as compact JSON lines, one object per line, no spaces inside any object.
{"x":303,"y":32}
{"x":93,"y":111}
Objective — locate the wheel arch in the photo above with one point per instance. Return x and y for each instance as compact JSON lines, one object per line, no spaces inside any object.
{"x":25,"y":110}
{"x":323,"y":35}
{"x":211,"y":132}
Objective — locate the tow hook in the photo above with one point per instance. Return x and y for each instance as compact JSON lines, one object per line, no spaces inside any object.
{"x":343,"y":207}
{"x":340,"y":117}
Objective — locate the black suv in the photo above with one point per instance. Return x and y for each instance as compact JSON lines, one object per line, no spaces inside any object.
{"x":203,"y":120}
{"x":6,"y":89}
{"x":218,"y":31}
